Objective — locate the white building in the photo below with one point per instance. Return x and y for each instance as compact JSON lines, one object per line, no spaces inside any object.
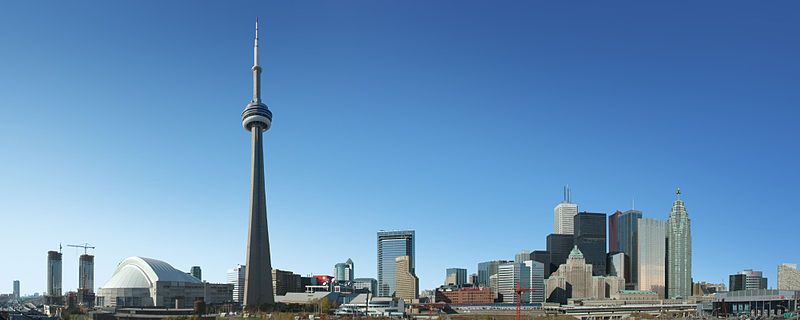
{"x":145,"y":282}
{"x":236,"y":278}
{"x":527,"y":275}
{"x":564,"y":214}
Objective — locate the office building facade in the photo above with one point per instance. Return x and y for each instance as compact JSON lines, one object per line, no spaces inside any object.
{"x":652,"y":250}
{"x":509,"y":276}
{"x":464,"y":296}
{"x":613,"y":230}
{"x":406,"y":281}
{"x":573,"y":279}
{"x":286,"y":281}
{"x":343,"y":271}
{"x":747,"y":279}
{"x":543,"y":256}
{"x":559,"y":246}
{"x":619,"y":265}
{"x":679,"y":251}
{"x":563,"y":214}
{"x":392,"y":244}
{"x":486,"y":270}
{"x":627,"y":242}
{"x":590,"y":237}
{"x":788,"y":277}
{"x":236,"y":279}
{"x":370,"y":284}
{"x":455,"y":277}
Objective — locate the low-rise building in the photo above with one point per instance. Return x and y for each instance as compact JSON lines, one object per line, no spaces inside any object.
{"x":636,"y":296}
{"x":465,"y":296}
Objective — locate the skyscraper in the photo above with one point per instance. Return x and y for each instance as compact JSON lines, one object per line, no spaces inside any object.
{"x":563,"y":214}
{"x":486,"y":270}
{"x":257,"y":119}
{"x":392,"y":244}
{"x":628,"y":242}
{"x":652,"y":245}
{"x":590,"y":237}
{"x":618,"y":265}
{"x":16,"y":289}
{"x":86,"y":272}
{"x":343,"y":271}
{"x":512,"y":275}
{"x":406,"y":281}
{"x":559,"y":246}
{"x":788,"y":277}
{"x":236,"y":278}
{"x":455,"y":277}
{"x":613,"y":241}
{"x":679,"y":251}
{"x":573,"y":279}
{"x":543,"y":256}
{"x":522,"y":256}
{"x":54,"y":275}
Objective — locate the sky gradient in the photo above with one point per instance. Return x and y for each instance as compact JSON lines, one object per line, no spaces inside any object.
{"x":120,"y":126}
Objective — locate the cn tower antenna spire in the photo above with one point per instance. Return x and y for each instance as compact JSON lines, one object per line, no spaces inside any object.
{"x":256,"y":69}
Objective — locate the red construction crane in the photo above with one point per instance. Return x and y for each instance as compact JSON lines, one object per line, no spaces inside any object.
{"x":519,"y":291}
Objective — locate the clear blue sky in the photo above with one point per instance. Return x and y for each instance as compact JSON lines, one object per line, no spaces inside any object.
{"x":120,"y":126}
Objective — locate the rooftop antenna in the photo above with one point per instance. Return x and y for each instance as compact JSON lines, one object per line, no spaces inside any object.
{"x":633,"y":203}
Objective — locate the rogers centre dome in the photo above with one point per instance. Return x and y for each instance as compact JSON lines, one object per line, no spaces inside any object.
{"x":144,"y":282}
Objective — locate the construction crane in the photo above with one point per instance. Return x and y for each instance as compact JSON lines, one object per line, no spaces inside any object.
{"x":519,"y":291}
{"x":85,"y":247}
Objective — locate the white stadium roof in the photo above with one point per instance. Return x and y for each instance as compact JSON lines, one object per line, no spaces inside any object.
{"x":139,"y":272}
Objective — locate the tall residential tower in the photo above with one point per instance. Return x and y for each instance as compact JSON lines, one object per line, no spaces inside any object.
{"x":257,"y":119}
{"x":679,"y":251}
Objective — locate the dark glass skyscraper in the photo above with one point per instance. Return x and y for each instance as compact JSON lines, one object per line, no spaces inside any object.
{"x":393,"y":244}
{"x":543,"y":256}
{"x":590,"y":237}
{"x":627,"y":242}
{"x":559,"y":246}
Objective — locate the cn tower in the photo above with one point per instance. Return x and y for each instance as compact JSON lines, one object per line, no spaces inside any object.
{"x":256,"y":118}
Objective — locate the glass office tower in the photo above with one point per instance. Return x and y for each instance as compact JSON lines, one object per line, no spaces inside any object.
{"x":590,"y":237}
{"x":393,"y":244}
{"x":627,"y":242}
{"x":652,"y":242}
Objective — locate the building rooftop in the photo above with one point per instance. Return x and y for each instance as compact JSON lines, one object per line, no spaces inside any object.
{"x":140,"y":272}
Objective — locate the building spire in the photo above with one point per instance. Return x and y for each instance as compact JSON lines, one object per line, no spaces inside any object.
{"x":256,"y":69}
{"x":678,"y":193}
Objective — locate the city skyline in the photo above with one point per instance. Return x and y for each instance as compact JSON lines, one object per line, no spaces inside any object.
{"x":368,"y":168}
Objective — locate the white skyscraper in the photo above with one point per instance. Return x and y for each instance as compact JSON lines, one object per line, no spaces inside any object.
{"x":236,"y":278}
{"x":564,"y":213}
